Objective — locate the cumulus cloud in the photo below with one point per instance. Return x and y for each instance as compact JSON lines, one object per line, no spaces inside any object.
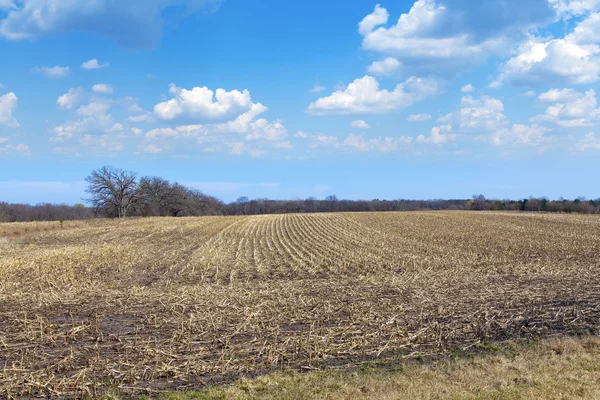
{"x":574,"y":59}
{"x":439,"y":135}
{"x":116,"y":128}
{"x":419,"y":117}
{"x":445,"y":37}
{"x":571,"y":108}
{"x":93,"y":64}
{"x":359,"y":124}
{"x":263,"y":129}
{"x":53,"y":72}
{"x":590,"y":141}
{"x":388,"y":66}
{"x":150,"y":148}
{"x":93,"y":109}
{"x":520,"y":134}
{"x":574,"y":7}
{"x":136,"y":24}
{"x":89,"y":121}
{"x":364,"y":96}
{"x":147,"y":117}
{"x":102,"y":88}
{"x":202,"y":103}
{"x":484,"y":113}
{"x":20,"y":149}
{"x":8,"y":103}
{"x":559,"y":95}
{"x":467,"y":88}
{"x":70,"y":99}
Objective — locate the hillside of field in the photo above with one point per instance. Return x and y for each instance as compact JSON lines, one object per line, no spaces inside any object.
{"x":146,"y":305}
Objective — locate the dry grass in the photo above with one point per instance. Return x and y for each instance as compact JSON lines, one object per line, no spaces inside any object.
{"x":167,"y":304}
{"x":564,"y":368}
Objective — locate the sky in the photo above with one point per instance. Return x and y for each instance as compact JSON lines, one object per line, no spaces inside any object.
{"x":291,"y":99}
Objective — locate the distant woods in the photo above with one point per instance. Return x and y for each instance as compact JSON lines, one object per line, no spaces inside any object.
{"x":115,"y":193}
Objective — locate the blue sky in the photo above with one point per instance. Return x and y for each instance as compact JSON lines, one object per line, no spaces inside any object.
{"x":401,"y":99}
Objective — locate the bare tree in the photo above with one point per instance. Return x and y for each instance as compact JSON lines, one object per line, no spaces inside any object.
{"x":112,"y":191}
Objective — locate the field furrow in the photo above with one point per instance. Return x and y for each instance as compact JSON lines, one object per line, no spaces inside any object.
{"x":161,"y":303}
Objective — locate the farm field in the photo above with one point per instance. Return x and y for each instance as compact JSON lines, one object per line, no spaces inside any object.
{"x":159,"y":304}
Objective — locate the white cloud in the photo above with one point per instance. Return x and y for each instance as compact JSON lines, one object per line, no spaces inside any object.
{"x":575,"y":7}
{"x":317,"y":88}
{"x":383,"y":145}
{"x":360,"y":143}
{"x":388,"y":66}
{"x":302,"y":135}
{"x":70,"y":99}
{"x":8,"y":103}
{"x":102,"y":88}
{"x":467,"y":88}
{"x":559,"y":95}
{"x":93,"y":109}
{"x":589,"y":142}
{"x":572,"y":108}
{"x":283,"y":145}
{"x":147,"y":117}
{"x":520,"y":134}
{"x":137,"y":131}
{"x":484,"y":113}
{"x":23,"y":149}
{"x":529,"y":93}
{"x":419,"y":117}
{"x":444,"y":37}
{"x":574,"y":59}
{"x":108,"y":143}
{"x":364,"y":96}
{"x":135,"y":109}
{"x":90,"y":121}
{"x":163,"y":132}
{"x":199,"y":103}
{"x":93,"y":64}
{"x":53,"y":72}
{"x":20,"y":149}
{"x":150,"y":148}
{"x":360,"y":124}
{"x":136,"y":24}
{"x":439,"y":135}
{"x":116,"y":128}
{"x":237,"y":148}
{"x":263,"y":129}
{"x":242,"y":122}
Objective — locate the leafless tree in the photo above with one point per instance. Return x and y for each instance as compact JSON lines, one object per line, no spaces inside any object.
{"x":112,"y":191}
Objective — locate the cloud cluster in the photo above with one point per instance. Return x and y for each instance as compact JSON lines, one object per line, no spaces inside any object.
{"x":445,"y":37}
{"x":573,"y":59}
{"x":53,"y":72}
{"x":201,"y":103}
{"x":365,"y":96}
{"x":134,"y":24}
{"x":8,"y":103}
{"x":93,"y":64}
{"x":570,"y":109}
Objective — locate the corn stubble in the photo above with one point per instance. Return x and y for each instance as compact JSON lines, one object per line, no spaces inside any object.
{"x":149,"y":305}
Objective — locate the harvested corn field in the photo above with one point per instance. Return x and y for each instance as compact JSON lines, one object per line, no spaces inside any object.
{"x":146,"y":305}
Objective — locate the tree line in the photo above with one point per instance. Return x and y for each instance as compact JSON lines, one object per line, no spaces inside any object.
{"x":115,"y":193}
